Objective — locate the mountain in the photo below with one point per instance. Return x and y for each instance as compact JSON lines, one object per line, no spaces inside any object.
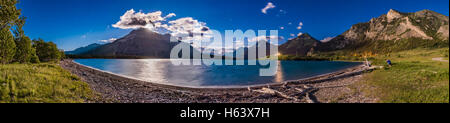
{"x":138,"y":43}
{"x":82,"y":50}
{"x":255,"y":47}
{"x":300,"y":46}
{"x":392,"y":32}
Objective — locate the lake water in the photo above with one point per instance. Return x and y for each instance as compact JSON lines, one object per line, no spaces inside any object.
{"x":164,"y":72}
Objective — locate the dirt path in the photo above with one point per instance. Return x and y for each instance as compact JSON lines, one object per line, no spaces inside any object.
{"x":328,"y":88}
{"x":439,"y":59}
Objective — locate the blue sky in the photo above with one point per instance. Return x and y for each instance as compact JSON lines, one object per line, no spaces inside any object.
{"x":75,"y":23}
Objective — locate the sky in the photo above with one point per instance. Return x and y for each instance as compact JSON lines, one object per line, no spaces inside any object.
{"x":75,"y":23}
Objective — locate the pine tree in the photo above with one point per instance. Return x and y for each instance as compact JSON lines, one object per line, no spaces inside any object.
{"x":23,"y":43}
{"x":8,"y":13}
{"x":8,"y":16}
{"x":7,"y":46}
{"x":34,"y":58}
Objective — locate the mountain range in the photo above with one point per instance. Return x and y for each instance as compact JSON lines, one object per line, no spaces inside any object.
{"x":393,"y":31}
{"x":300,"y":46}
{"x":84,"y":49}
{"x":389,"y":32}
{"x":139,"y":43}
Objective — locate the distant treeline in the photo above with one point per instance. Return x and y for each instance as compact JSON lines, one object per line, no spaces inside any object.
{"x":73,"y":56}
{"x":303,"y":58}
{"x":15,"y":46}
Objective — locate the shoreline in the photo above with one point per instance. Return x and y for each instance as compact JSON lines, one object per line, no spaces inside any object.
{"x":129,"y":90}
{"x":232,"y":86}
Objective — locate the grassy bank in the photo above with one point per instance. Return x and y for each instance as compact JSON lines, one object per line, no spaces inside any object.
{"x":413,"y":78}
{"x":46,"y":82}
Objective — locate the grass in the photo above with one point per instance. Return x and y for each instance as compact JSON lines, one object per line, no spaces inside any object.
{"x":413,"y":78}
{"x":37,"y":83}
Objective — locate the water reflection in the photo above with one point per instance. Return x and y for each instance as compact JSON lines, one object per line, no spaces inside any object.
{"x":163,"y":71}
{"x":279,"y":74}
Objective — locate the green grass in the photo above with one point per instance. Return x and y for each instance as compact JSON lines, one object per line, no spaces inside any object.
{"x":413,"y":78}
{"x":37,"y":83}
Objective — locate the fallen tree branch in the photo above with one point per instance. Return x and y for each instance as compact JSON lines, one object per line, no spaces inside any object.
{"x":274,"y":92}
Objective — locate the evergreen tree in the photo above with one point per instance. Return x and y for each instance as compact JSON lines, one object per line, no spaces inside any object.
{"x":34,"y":58}
{"x":8,"y":13}
{"x":23,"y":43}
{"x":8,"y":16}
{"x":7,"y":46}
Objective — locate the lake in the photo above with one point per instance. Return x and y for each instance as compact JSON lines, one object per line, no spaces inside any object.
{"x":164,"y":72}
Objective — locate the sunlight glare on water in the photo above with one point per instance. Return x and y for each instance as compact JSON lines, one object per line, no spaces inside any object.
{"x":164,"y":72}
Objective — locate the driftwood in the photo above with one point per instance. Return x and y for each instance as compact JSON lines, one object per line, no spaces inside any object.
{"x":274,"y":92}
{"x":265,"y":91}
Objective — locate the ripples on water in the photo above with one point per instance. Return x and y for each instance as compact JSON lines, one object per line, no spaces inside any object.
{"x":164,"y":72}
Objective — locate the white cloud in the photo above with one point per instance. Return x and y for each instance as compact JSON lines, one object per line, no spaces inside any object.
{"x":189,"y":29}
{"x":292,"y":35}
{"x":134,"y":20}
{"x":281,"y":28}
{"x":109,"y":40}
{"x":327,"y":39}
{"x":264,"y":38}
{"x":299,"y":34}
{"x":300,"y":25}
{"x":170,"y":15}
{"x":268,"y":6}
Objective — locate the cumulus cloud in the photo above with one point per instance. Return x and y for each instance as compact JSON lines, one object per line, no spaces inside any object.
{"x":185,"y":29}
{"x":268,"y":6}
{"x":109,"y":40}
{"x":292,"y":35}
{"x":300,"y":25}
{"x":281,"y":28}
{"x":327,"y":39}
{"x":189,"y":29}
{"x":133,"y":20}
{"x":299,"y":34}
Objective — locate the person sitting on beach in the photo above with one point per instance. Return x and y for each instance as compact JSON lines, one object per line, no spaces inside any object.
{"x":389,"y":62}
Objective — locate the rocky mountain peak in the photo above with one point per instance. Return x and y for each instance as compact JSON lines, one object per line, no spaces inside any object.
{"x":393,"y":14}
{"x":300,"y":46}
{"x":394,"y":28}
{"x":305,"y":36}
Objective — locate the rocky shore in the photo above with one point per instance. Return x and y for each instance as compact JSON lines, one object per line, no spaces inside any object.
{"x":330,"y":88}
